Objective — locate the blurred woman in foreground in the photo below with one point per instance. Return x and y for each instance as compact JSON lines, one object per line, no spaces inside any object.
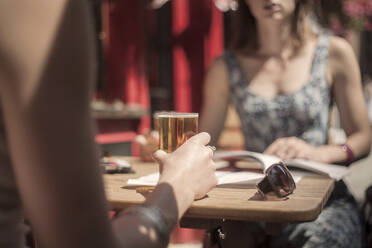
{"x":49,"y":169}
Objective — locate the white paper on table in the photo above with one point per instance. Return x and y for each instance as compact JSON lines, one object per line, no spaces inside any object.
{"x":149,"y":180}
{"x":241,"y":177}
{"x":224,"y":177}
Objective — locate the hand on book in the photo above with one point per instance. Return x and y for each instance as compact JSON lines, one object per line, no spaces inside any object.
{"x":293,"y":147}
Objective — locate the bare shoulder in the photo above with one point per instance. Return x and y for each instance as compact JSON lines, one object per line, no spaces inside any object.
{"x":216,"y":79}
{"x":218,"y":65}
{"x":341,"y":53}
{"x":17,"y":17}
{"x":30,"y":29}
{"x":340,"y":48}
{"x":217,"y":70}
{"x":342,"y":59}
{"x":25,"y":28}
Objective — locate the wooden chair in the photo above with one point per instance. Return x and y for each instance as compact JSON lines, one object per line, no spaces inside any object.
{"x":231,"y":137}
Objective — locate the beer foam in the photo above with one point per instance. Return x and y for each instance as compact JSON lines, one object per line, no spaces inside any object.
{"x":177,"y":115}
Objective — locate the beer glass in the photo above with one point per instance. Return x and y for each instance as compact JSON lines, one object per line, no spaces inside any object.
{"x":156,"y":118}
{"x":175,"y":128}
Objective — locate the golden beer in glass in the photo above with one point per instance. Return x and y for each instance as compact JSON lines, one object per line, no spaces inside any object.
{"x":175,"y":128}
{"x":156,"y":118}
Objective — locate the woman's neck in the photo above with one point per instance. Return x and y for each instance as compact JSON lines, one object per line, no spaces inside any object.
{"x":274,"y":38}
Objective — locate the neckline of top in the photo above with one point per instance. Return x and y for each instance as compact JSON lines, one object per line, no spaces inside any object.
{"x":319,"y":43}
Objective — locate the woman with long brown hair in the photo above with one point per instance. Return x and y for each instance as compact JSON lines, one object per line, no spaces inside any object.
{"x":283,"y":78}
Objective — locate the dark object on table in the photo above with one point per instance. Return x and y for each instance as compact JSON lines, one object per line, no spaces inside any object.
{"x":115,"y":165}
{"x":277,"y":180}
{"x":112,"y":169}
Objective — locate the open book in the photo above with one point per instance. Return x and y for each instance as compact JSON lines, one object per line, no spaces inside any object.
{"x":246,"y":177}
{"x":223,"y":177}
{"x":331,"y":170}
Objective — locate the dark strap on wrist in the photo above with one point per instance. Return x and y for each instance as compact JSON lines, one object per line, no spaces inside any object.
{"x":153,"y":216}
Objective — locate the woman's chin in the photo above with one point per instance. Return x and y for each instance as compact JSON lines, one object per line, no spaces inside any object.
{"x":275,"y":16}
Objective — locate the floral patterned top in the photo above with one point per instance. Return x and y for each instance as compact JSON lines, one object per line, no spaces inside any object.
{"x":304,"y":113}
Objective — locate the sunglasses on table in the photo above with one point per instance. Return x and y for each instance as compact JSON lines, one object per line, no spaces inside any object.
{"x":277,"y":180}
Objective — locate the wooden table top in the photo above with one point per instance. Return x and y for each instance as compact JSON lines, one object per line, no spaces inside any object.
{"x":228,"y":202}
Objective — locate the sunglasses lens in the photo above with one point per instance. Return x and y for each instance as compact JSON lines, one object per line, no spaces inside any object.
{"x":280,"y":179}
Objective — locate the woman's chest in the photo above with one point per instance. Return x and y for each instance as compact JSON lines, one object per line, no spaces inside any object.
{"x":274,"y":76}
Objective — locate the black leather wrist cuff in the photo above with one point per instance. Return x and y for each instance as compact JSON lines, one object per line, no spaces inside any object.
{"x":154,"y":217}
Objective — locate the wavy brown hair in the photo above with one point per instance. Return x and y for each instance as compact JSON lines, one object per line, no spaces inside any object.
{"x":244,"y":30}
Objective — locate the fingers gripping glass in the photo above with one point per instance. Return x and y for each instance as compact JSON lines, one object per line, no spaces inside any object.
{"x":278,"y":180}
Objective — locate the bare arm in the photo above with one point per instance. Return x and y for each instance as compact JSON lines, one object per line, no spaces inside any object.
{"x":347,"y":89}
{"x":46,"y":73}
{"x":216,"y":100}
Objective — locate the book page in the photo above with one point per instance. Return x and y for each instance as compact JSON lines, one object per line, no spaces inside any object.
{"x":224,"y":177}
{"x":264,"y":159}
{"x":331,"y":170}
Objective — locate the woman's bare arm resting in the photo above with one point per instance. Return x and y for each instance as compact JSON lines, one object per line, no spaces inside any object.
{"x":46,"y":77}
{"x":348,"y":93}
{"x":215,"y":100}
